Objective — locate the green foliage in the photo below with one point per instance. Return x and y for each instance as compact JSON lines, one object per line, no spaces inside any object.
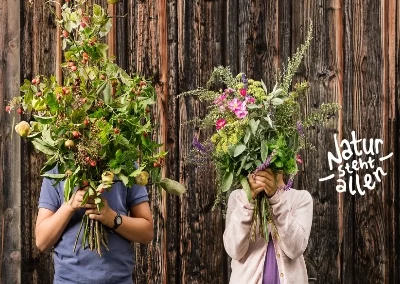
{"x":98,"y":119}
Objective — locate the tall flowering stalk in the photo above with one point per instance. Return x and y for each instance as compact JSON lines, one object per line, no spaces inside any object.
{"x":257,"y":129}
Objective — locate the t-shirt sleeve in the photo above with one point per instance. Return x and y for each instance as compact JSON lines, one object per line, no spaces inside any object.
{"x":50,"y":196}
{"x":136,"y":195}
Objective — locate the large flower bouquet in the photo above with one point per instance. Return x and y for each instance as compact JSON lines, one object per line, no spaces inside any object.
{"x":256,"y":129}
{"x":96,"y":126}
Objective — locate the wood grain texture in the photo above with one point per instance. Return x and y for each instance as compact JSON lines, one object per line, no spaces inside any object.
{"x":10,"y":150}
{"x":354,"y":59}
{"x":201,"y":229}
{"x":40,"y":54}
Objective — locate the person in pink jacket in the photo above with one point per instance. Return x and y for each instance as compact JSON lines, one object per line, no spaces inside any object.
{"x":281,"y":259}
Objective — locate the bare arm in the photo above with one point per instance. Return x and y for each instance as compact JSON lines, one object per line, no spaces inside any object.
{"x":138,"y":227}
{"x":50,"y":225}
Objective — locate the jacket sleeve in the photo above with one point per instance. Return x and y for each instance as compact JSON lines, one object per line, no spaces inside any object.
{"x":238,"y":224}
{"x":293,"y":223}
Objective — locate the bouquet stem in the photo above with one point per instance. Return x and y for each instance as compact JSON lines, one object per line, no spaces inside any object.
{"x":94,"y":235}
{"x":262,"y":212}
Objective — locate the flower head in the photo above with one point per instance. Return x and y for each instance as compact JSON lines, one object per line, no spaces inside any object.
{"x":243,"y":92}
{"x":244,"y":80}
{"x":196,"y":143}
{"x":300,"y":128}
{"x":220,"y":123}
{"x":250,"y":99}
{"x":220,"y":100}
{"x":298,"y":159}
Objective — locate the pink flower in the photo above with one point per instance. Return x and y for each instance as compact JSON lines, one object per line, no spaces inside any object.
{"x":238,"y":108}
{"x":220,"y":99}
{"x":235,"y":104}
{"x":241,"y":113}
{"x":243,"y":92}
{"x":250,"y":100}
{"x":298,"y":159}
{"x":220,"y":123}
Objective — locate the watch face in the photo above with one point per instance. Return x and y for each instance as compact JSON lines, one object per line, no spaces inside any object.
{"x":118,"y":220}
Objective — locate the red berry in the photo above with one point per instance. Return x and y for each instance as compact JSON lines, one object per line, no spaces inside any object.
{"x":145,"y":134}
{"x":76,"y":134}
{"x":20,"y":111}
{"x":85,"y":183}
{"x":84,"y":100}
{"x":85,"y":54}
{"x":83,"y":25}
{"x":142,"y":83}
{"x":38,"y":94}
{"x":83,"y":61}
{"x":156,"y":165}
{"x":93,"y":163}
{"x":101,"y":190}
{"x":73,"y":68}
{"x":116,"y":130}
{"x":86,"y":122}
{"x":147,"y":110}
{"x":87,"y":159}
{"x":8,"y":109}
{"x":70,"y":64}
{"x":34,"y":81}
{"x":102,"y":77}
{"x":59,"y":97}
{"x":65,"y":33}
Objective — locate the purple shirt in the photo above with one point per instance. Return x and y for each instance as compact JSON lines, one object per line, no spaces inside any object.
{"x":271,"y":272}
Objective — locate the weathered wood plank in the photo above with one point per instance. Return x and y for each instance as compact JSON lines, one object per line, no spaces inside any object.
{"x":321,"y":68}
{"x":201,"y":229}
{"x":10,"y":154}
{"x":172,"y":146}
{"x":39,"y":52}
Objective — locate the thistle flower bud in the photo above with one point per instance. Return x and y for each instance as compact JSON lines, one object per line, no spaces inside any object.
{"x":172,"y":186}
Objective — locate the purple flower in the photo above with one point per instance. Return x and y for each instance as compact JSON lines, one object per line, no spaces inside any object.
{"x":265,"y":165}
{"x":244,"y":80}
{"x":198,"y":145}
{"x":300,"y":128}
{"x":289,"y":183}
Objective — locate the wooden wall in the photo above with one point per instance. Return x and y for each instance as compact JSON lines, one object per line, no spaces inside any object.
{"x":354,"y":59}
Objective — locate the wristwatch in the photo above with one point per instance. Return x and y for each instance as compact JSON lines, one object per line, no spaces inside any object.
{"x":117,"y":221}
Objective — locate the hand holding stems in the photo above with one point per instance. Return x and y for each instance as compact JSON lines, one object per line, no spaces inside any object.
{"x":75,"y":202}
{"x":266,"y":181}
{"x":106,"y":215}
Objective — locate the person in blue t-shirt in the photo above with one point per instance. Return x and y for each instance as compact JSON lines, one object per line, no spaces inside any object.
{"x":126,"y":212}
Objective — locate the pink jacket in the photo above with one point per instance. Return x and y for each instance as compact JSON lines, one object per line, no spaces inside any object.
{"x":292,"y":215}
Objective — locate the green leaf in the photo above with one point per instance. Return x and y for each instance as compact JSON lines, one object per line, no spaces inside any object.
{"x":227,"y":182}
{"x":254,"y":125}
{"x":253,"y":106}
{"x":50,"y":164}
{"x":45,"y":120}
{"x":123,"y":178}
{"x":54,"y":176}
{"x":107,"y":93}
{"x":246,"y":187}
{"x":277,"y":101}
{"x":239,"y":149}
{"x":43,"y":148}
{"x":138,"y":171}
{"x":67,"y":189}
{"x":247,"y":135}
{"x":248,"y":165}
{"x":264,"y":150}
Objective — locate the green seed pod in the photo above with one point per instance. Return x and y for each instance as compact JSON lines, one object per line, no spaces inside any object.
{"x":172,"y":186}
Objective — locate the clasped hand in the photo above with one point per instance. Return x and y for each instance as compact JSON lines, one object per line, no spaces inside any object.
{"x":265,"y":181}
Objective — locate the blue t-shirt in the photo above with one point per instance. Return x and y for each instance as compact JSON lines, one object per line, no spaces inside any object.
{"x":85,"y":266}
